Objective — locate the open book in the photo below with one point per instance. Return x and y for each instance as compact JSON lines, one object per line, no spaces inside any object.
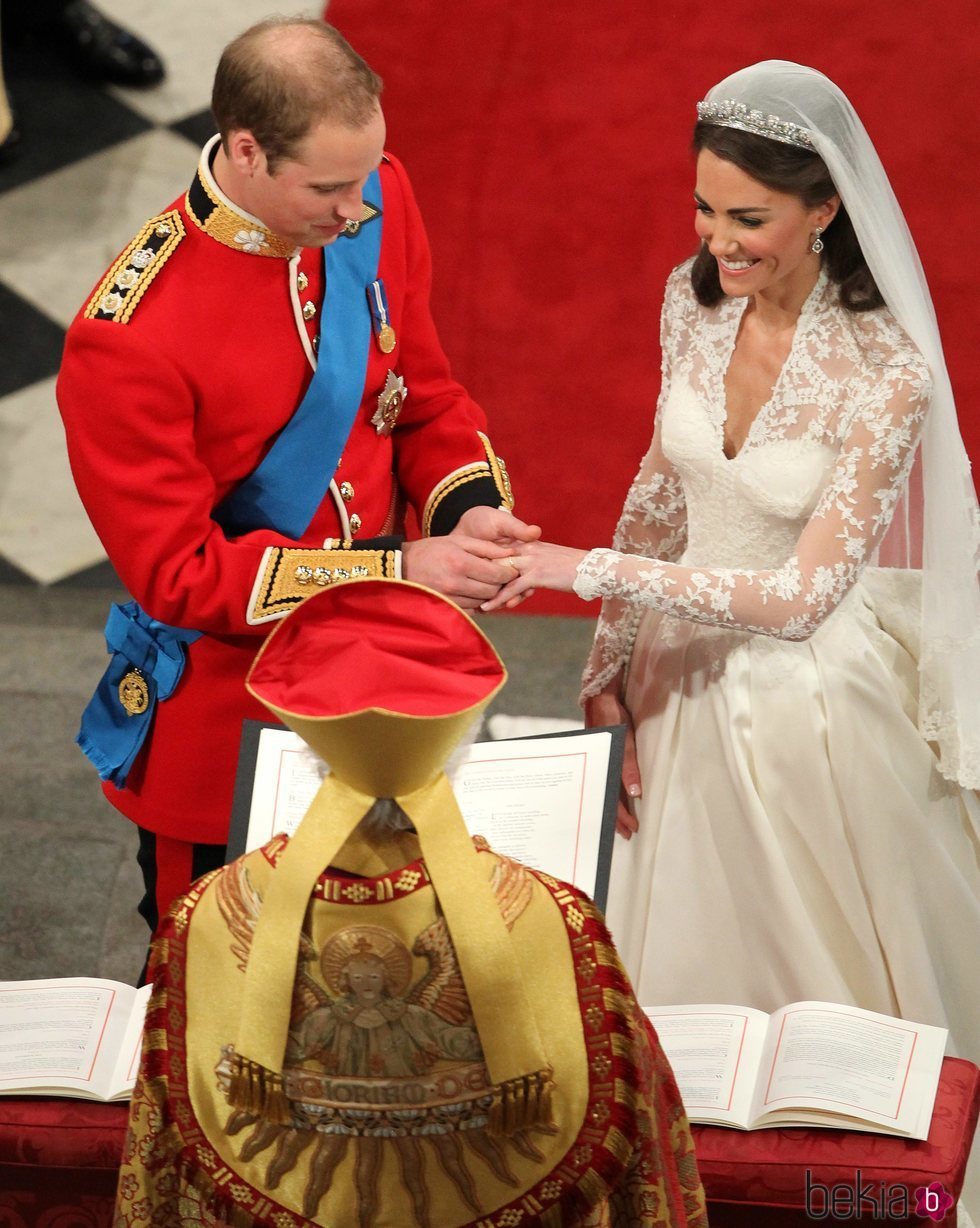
{"x":74,"y":1036}
{"x":808,"y":1064}
{"x":549,"y":802}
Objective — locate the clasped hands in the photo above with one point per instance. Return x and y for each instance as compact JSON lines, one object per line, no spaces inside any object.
{"x":472,"y":564}
{"x":537,"y":564}
{"x":490,"y":561}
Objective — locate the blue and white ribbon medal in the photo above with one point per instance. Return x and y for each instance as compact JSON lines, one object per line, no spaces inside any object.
{"x":384,"y":334}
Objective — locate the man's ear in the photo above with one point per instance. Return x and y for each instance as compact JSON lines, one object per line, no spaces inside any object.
{"x":244,"y":152}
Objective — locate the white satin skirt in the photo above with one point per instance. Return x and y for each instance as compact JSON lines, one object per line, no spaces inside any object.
{"x":796,"y":840}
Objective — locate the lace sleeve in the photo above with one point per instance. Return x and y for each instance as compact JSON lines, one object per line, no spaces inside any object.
{"x":854,"y":510}
{"x":653,"y":523}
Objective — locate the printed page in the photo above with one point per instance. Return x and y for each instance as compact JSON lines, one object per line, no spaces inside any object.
{"x":287,"y":775}
{"x":714,"y":1052}
{"x":62,"y":1036}
{"x":841,"y":1060}
{"x":128,"y":1059}
{"x":538,"y":800}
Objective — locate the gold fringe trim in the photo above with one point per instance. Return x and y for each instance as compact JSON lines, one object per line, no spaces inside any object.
{"x":259,"y":1091}
{"x":216,"y":1201}
{"x":522,"y":1104}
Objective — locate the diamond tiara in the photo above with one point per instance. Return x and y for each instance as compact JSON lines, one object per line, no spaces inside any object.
{"x":729,"y":114}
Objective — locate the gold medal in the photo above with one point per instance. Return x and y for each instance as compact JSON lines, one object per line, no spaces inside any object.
{"x":134,"y":694}
{"x":386,"y":338}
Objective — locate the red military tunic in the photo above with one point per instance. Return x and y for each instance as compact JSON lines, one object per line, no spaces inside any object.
{"x":194,"y":351}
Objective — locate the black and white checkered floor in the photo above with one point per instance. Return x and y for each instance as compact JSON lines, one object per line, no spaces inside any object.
{"x":94,"y":164}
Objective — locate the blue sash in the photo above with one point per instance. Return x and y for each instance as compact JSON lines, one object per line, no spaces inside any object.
{"x":283,"y":493}
{"x":289,"y":483}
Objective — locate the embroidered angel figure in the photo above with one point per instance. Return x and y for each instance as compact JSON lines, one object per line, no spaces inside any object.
{"x":375,"y":1025}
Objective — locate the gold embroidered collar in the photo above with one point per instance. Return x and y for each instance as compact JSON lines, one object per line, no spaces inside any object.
{"x":215,"y":214}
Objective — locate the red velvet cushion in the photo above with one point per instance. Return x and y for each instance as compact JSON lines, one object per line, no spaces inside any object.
{"x":47,"y":1132}
{"x":59,"y":1162}
{"x":767,"y":1168}
{"x":58,"y":1156}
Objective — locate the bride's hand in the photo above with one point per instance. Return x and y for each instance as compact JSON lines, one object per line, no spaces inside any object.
{"x":606,"y":708}
{"x":539,"y":565}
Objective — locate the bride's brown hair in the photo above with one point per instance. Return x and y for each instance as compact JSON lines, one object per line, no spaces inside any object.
{"x":797,"y":172}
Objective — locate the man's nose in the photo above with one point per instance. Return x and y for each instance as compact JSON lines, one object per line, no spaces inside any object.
{"x":350,"y":202}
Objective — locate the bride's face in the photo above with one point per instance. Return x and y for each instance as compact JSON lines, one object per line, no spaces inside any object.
{"x":760,"y":238}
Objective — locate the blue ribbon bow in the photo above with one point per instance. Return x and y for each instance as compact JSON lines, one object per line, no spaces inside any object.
{"x":110,"y":735}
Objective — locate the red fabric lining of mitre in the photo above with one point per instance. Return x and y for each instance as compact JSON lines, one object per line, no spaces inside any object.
{"x":376,"y":644}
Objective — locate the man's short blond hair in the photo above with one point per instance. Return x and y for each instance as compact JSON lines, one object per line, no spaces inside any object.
{"x":283,"y":76}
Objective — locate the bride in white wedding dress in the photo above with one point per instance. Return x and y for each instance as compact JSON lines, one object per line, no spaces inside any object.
{"x":806,"y":718}
{"x":791,"y":616}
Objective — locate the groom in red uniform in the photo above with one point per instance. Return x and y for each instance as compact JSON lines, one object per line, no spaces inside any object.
{"x":252,"y":395}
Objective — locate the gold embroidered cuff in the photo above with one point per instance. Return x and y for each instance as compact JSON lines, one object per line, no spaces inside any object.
{"x":289,"y":574}
{"x":480,"y":484}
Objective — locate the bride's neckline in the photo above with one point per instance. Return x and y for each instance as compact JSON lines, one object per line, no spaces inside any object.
{"x":800,"y":331}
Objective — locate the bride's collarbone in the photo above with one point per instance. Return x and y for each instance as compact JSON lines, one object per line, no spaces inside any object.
{"x":750,"y":379}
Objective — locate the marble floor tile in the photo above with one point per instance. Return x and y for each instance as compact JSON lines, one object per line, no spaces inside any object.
{"x":190,"y":36}
{"x":126,"y":936}
{"x":43,"y":528}
{"x":55,"y":921}
{"x":62,"y":231}
{"x":62,"y":116}
{"x":31,"y":342}
{"x":69,"y":663}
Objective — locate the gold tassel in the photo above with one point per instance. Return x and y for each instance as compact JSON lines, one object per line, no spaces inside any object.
{"x":237,"y":1094}
{"x":258,"y":1091}
{"x":277,"y":1106}
{"x":521,"y":1104}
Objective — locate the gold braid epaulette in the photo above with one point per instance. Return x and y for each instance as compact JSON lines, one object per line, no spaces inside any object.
{"x":288,"y":575}
{"x":129,"y":278}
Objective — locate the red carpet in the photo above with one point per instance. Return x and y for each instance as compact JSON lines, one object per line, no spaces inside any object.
{"x":548,"y":146}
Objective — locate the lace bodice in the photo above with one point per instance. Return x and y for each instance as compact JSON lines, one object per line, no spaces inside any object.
{"x":772,"y":540}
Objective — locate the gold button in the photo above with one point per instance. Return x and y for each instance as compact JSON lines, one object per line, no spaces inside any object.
{"x":355,"y":524}
{"x":347,"y":491}
{"x":302,"y":281}
{"x":309,"y":311}
{"x":161,"y":230}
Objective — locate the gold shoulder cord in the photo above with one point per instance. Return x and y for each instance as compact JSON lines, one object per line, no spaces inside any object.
{"x":120,"y":291}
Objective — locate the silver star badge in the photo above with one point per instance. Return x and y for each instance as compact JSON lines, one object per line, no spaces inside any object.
{"x":390,"y":403}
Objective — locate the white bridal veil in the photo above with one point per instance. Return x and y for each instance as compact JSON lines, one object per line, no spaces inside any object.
{"x":937,"y":525}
